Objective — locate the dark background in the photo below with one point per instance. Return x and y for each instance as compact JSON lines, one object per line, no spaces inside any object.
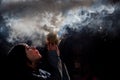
{"x":95,"y":54}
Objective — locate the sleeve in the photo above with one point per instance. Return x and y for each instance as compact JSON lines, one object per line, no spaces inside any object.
{"x":53,"y":58}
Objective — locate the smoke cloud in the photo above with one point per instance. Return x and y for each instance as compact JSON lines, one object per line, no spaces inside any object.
{"x":32,"y":28}
{"x":91,"y":17}
{"x":33,"y":19}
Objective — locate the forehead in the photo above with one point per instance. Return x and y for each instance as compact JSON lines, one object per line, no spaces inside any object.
{"x":24,"y":44}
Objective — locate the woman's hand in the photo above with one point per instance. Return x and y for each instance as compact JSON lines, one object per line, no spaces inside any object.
{"x":53,"y":47}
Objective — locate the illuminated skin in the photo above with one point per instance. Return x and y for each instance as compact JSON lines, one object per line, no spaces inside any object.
{"x":32,"y":53}
{"x":52,"y":42}
{"x":53,"y":47}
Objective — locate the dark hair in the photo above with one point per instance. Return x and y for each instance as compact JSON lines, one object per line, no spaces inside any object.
{"x":17,"y":62}
{"x":17,"y":58}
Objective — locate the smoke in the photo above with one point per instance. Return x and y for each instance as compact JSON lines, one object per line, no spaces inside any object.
{"x":32,"y":28}
{"x":98,"y":17}
{"x":93,"y":17}
{"x":31,"y":20}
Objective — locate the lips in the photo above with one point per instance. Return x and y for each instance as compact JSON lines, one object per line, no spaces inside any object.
{"x":37,"y":53}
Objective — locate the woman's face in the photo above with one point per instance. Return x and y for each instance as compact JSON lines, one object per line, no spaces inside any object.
{"x":32,"y":53}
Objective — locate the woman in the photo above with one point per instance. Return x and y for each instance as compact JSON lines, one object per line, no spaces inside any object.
{"x":23,"y":64}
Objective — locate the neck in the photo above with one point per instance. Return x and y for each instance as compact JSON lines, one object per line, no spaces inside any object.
{"x":32,"y":65}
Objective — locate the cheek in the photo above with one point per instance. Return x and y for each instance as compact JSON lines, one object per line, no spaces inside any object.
{"x":29,"y":55}
{"x":36,"y":55}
